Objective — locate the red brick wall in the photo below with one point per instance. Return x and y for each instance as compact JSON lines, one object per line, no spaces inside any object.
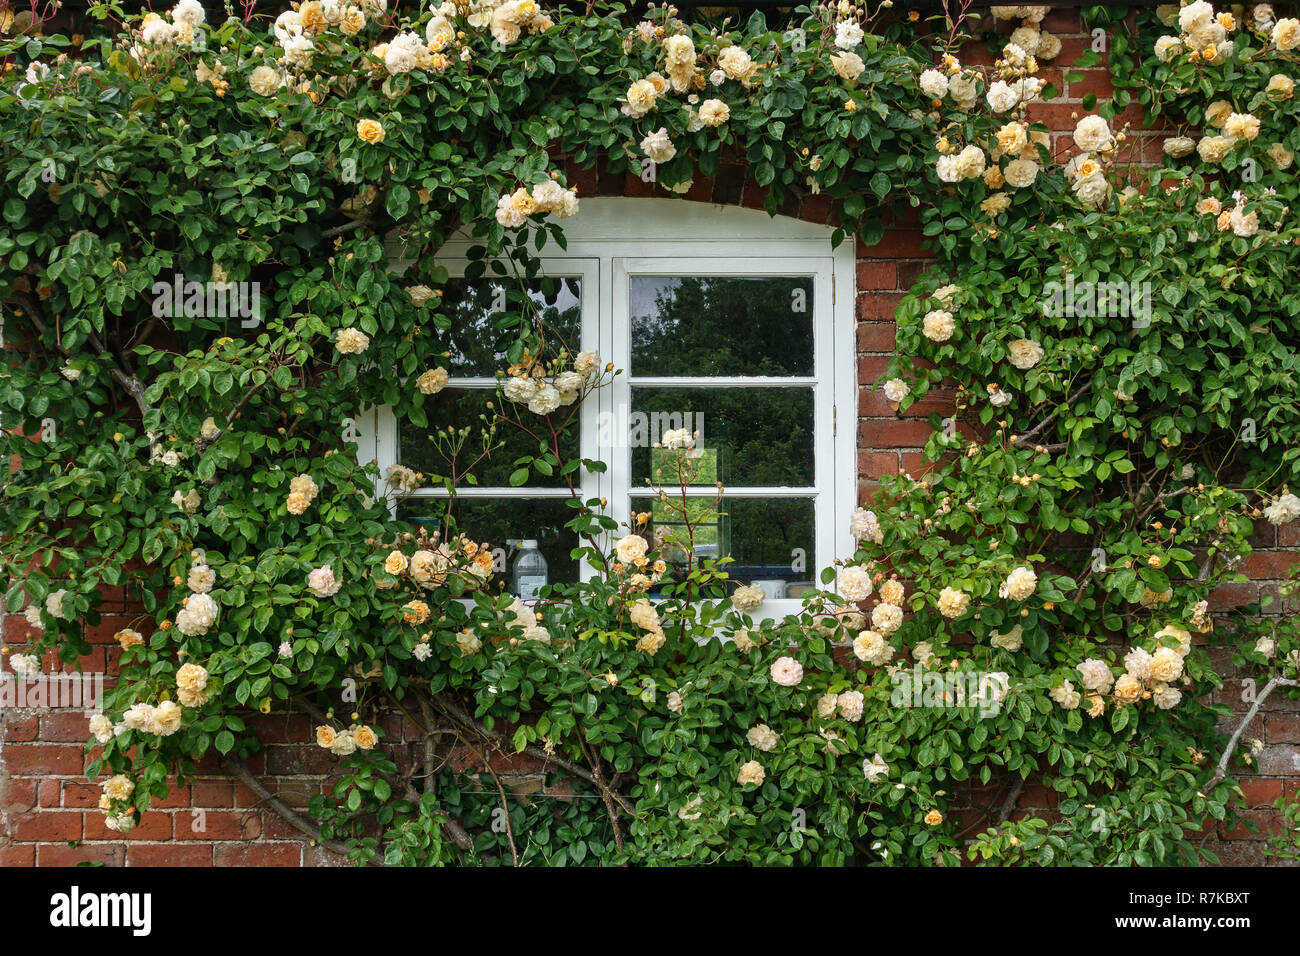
{"x":46,"y":802}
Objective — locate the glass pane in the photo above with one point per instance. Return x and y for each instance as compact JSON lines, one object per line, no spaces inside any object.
{"x":722,"y":325}
{"x":476,"y":307}
{"x":747,"y":436}
{"x":770,"y":540}
{"x":503,"y":523}
{"x":458,"y":407}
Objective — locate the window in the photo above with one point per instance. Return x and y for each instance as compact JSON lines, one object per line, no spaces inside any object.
{"x":724,"y":322}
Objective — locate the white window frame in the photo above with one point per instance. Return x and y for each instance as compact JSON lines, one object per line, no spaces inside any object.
{"x":613,"y":238}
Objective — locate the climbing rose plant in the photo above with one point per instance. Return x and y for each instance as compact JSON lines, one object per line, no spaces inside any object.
{"x":1034,"y":604}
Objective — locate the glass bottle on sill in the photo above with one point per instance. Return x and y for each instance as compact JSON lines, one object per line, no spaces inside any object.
{"x":528,"y":576}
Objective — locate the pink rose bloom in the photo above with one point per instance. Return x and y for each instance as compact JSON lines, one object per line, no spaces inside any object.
{"x":787,"y":671}
{"x":322,"y":582}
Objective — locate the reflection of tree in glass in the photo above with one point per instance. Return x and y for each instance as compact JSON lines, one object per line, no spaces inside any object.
{"x":765,"y":532}
{"x":722,"y":326}
{"x":487,"y":316}
{"x":762,"y":436}
{"x":457,"y":408}
{"x":485,"y":313}
{"x":761,"y":535}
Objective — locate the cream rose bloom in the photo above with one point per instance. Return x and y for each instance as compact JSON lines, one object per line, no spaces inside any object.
{"x":545,"y":400}
{"x":736,"y":63}
{"x":963,"y":92}
{"x":191,"y":677}
{"x":630,"y":549}
{"x":748,"y":597}
{"x":395,"y":563}
{"x":1166,"y":47}
{"x":787,"y":672}
{"x":751,"y":772}
{"x":1138,"y":663}
{"x":166,"y":719}
{"x":351,"y":341}
{"x":519,"y":390}
{"x":872,"y":648}
{"x":953,"y":603}
{"x":1286,"y":34}
{"x":643,"y":615}
{"x":855,"y":583}
{"x":875,"y":769}
{"x":1128,"y":688}
{"x":201,"y":579}
{"x":344,"y":744}
{"x":864,"y":526}
{"x":743,"y":639}
{"x":886,"y":618}
{"x":933,"y":84}
{"x":1280,"y":157}
{"x":119,"y":787}
{"x":1012,"y":138}
{"x":1011,"y":640}
{"x":895,"y":390}
{"x":265,"y":80}
{"x":101,"y":728}
{"x":1019,"y":584}
{"x":714,"y":112}
{"x":1241,"y":126}
{"x":658,"y":146}
{"x":996,"y":204}
{"x":938,"y":325}
{"x":198,"y":614}
{"x":1212,"y":149}
{"x":432,"y":382}
{"x":1092,"y":134}
{"x":641,"y":97}
{"x":1165,"y":697}
{"x":429,"y":568}
{"x":849,"y":66}
{"x":762,"y":737}
{"x":1183,"y":637}
{"x":1166,"y":664}
{"x":322,"y":581}
{"x":1024,"y":353}
{"x":1001,"y":97}
{"x":850,"y":705}
{"x":1065,"y":695}
{"x":1281,"y":84}
{"x":1096,"y":675}
{"x":1021,"y":173}
{"x":1284,"y":510}
{"x":971,"y":162}
{"x":1091,"y":190}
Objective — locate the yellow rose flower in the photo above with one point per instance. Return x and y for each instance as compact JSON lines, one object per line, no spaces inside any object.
{"x":415,"y":612}
{"x":119,"y":788}
{"x":312,"y":17}
{"x":370,"y":131}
